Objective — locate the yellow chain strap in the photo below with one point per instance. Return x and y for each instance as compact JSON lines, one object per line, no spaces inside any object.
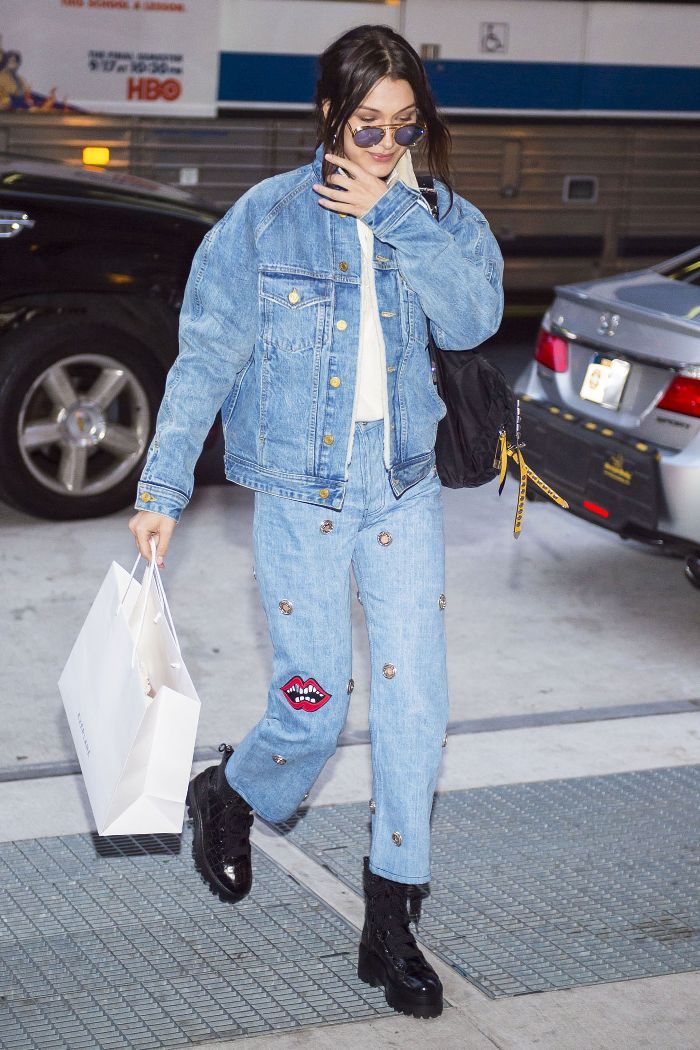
{"x":504,"y":450}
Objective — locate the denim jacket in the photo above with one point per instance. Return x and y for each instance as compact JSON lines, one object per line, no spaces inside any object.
{"x":269,"y":331}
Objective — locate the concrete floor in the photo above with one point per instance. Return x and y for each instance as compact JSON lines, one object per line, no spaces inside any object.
{"x":567,"y":616}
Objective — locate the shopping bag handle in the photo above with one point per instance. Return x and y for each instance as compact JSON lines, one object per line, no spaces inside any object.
{"x":151,"y":575}
{"x":164,"y":601}
{"x":131,"y":576}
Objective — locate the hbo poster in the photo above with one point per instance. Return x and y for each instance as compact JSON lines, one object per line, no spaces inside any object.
{"x":145,"y":57}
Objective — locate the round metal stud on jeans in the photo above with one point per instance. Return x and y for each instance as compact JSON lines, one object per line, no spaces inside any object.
{"x":384,"y":538}
{"x":326,"y":526}
{"x":396,"y":838}
{"x":388,"y":670}
{"x":286,"y":607}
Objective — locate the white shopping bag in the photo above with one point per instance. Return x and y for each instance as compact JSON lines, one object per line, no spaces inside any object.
{"x":131,"y":706}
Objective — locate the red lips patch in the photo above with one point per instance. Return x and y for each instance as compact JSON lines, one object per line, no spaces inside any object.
{"x":305,"y":695}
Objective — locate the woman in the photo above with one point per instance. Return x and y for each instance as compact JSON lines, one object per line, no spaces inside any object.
{"x":305,"y":320}
{"x":14,"y":89}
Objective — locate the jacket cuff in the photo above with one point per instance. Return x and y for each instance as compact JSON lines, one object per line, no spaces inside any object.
{"x":160,"y":499}
{"x":391,"y":208}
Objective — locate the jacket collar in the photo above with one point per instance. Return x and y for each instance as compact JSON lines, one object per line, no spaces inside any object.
{"x":317,"y":162}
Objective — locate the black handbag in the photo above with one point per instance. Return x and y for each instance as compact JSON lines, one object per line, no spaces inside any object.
{"x":482,"y":426}
{"x":480,"y":407}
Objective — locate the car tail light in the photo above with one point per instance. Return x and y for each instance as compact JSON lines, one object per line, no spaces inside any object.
{"x":595,"y":508}
{"x":683,"y":395}
{"x":552,"y":351}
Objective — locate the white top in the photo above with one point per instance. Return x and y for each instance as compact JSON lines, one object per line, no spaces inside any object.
{"x":371,"y":380}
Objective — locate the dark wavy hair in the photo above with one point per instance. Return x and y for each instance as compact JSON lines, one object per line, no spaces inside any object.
{"x":349,"y":68}
{"x":7,"y":56}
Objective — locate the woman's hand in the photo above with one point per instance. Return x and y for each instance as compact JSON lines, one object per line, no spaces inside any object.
{"x":146,"y":523}
{"x":362,"y":191}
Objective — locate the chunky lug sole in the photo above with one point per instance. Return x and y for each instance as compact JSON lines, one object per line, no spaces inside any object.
{"x":223,"y":892}
{"x":371,"y":970}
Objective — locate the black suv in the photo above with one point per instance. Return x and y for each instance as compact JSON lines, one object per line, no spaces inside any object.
{"x":93,"y":266}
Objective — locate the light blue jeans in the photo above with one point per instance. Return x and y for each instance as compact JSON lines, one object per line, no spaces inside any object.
{"x":303,"y":555}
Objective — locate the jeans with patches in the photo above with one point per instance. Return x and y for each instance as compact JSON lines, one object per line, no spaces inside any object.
{"x":303,"y":555}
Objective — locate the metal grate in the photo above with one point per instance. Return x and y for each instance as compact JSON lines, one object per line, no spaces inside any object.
{"x":123,"y":946}
{"x":549,"y":885}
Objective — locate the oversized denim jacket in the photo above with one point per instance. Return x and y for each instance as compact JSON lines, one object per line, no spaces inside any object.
{"x":269,"y":331}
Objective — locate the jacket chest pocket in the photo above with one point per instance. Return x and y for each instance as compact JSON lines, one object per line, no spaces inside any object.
{"x":295,"y":310}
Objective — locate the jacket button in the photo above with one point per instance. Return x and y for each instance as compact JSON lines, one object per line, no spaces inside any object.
{"x":279,"y":760}
{"x":328,"y":439}
{"x":342,"y":265}
{"x":326,"y":526}
{"x":396,"y":838}
{"x":388,"y":670}
{"x":146,"y":497}
{"x":341,"y":325}
{"x":335,"y":382}
{"x":293,"y":296}
{"x":442,"y":601}
{"x":286,"y":607}
{"x":324,"y":493}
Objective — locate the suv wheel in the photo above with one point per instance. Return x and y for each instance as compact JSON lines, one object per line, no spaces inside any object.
{"x":77,"y":408}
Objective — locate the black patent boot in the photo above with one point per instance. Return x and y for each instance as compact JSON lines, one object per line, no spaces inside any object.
{"x":389,"y":956}
{"x":222,"y":822}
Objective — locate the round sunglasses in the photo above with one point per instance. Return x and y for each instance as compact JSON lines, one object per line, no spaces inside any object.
{"x":404,"y":134}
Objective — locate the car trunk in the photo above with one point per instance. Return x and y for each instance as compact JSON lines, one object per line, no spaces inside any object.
{"x":604,"y":335}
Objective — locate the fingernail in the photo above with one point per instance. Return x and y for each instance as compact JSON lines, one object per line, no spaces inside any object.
{"x":161,"y":563}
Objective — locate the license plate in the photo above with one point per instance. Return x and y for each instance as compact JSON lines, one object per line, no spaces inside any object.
{"x":604,"y":380}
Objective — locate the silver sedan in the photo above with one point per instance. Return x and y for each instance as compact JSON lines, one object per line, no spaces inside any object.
{"x":611,"y":403}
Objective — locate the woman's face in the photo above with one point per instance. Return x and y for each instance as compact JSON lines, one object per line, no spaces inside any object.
{"x":388,"y":102}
